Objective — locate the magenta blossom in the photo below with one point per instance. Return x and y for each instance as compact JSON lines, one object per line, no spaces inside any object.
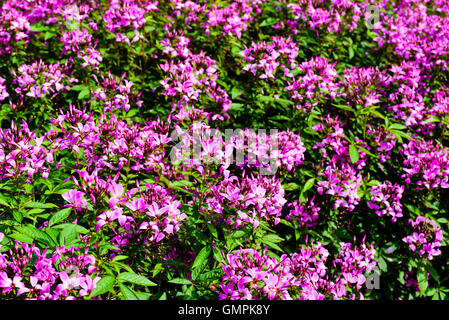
{"x":74,"y":197}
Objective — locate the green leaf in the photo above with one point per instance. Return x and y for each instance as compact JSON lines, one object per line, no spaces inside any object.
{"x":180,"y":281}
{"x":397,"y":126}
{"x":237,"y":106}
{"x":399,"y":134}
{"x":35,"y":234}
{"x":180,"y":190}
{"x":181,"y":183}
{"x":353,"y":153}
{"x":104,"y":285}
{"x":239,"y":234}
{"x":268,"y":22}
{"x":85,"y":93}
{"x":272,"y":245}
{"x":210,"y":275}
{"x":131,"y":113}
{"x":58,"y":216}
{"x":309,"y":184}
{"x":40,"y":205}
{"x":9,"y":222}
{"x":432,"y":119}
{"x":107,"y":246}
{"x":21,"y":237}
{"x":198,"y":271}
{"x":48,"y":35}
{"x":143,"y":295}
{"x":422,"y":280}
{"x":287,"y":223}
{"x":283,"y":102}
{"x":351,"y":53}
{"x":290,"y":186}
{"x":17,"y":215}
{"x":433,"y":272}
{"x":120,"y":258}
{"x":163,"y":296}
{"x":78,"y":228}
{"x":136,"y":279}
{"x":119,"y":265}
{"x":37,"y":27}
{"x":202,"y":257}
{"x":34,"y":212}
{"x":53,"y":234}
{"x":68,"y":234}
{"x":128,"y":294}
{"x":79,"y":87}
{"x":57,"y":191}
{"x":4,"y":202}
{"x":234,"y":94}
{"x":280,"y":117}
{"x":158,"y":268}
{"x":344,"y":107}
{"x":274,"y":238}
{"x":212,"y":230}
{"x":442,"y":220}
{"x":382,"y":264}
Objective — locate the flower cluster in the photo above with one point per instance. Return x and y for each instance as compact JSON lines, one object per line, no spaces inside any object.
{"x":304,"y":275}
{"x":251,"y":198}
{"x":386,"y":200}
{"x":340,"y":178}
{"x":364,"y":86}
{"x":416,"y":33}
{"x":426,"y":237}
{"x":30,"y":273}
{"x":123,"y":14}
{"x":22,"y":152}
{"x":5,"y":38}
{"x":428,"y":161}
{"x":233,"y":19}
{"x":192,"y":77}
{"x":316,"y":79}
{"x":332,"y":16}
{"x":155,"y":213}
{"x":268,"y":57}
{"x":355,"y":263}
{"x":39,"y":79}
{"x":306,"y":214}
{"x":3,"y":93}
{"x":115,"y":93}
{"x":383,"y":142}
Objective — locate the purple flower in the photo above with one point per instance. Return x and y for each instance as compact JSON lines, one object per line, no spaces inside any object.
{"x":386,"y":200}
{"x":426,"y":239}
{"x":74,"y":197}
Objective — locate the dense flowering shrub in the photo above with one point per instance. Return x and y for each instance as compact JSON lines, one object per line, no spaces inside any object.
{"x":196,"y":149}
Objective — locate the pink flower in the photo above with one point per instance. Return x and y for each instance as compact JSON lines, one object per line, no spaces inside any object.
{"x":74,"y":197}
{"x":7,"y":284}
{"x":88,"y":285}
{"x":116,"y":194}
